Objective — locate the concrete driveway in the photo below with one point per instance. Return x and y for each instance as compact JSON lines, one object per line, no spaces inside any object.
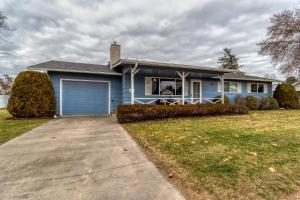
{"x":79,"y":158}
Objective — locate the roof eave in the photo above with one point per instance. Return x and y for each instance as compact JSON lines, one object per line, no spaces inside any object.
{"x":252,"y":79}
{"x":296,"y":83}
{"x":74,"y":71}
{"x":173,"y":66}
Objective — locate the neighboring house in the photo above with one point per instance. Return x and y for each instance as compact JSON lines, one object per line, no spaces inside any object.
{"x":88,"y":89}
{"x":297,"y":86}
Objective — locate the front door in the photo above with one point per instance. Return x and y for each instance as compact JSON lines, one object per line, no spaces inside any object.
{"x":197,"y":91}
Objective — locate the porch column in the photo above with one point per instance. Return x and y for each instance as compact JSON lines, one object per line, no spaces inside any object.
{"x":182,"y":75}
{"x":133,"y":71}
{"x":221,"y":77}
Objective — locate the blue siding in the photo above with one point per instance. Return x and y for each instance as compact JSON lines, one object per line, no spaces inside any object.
{"x":209,"y":87}
{"x":85,"y":98}
{"x":244,"y":93}
{"x":125,"y":88}
{"x":120,"y":86}
{"x":116,"y":85}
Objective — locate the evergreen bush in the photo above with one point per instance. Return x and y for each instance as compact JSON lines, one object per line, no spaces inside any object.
{"x":32,"y":96}
{"x":251,"y":102}
{"x":287,"y":96}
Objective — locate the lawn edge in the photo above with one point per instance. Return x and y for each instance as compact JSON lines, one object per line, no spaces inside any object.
{"x":180,"y":178}
{"x":23,"y":133}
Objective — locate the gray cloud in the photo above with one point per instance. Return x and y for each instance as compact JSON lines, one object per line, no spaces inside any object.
{"x":190,"y":31}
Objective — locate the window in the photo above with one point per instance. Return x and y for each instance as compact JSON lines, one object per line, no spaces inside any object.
{"x":155,"y":86}
{"x":230,"y":87}
{"x":253,"y":87}
{"x":179,"y":87}
{"x":257,"y":88}
{"x":165,"y":86}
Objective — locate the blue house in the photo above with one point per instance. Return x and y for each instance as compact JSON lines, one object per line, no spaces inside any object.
{"x":88,"y":89}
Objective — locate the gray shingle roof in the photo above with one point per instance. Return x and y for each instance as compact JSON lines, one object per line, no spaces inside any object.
{"x":171,"y":65}
{"x":241,"y":76}
{"x":63,"y":66}
{"x":74,"y":67}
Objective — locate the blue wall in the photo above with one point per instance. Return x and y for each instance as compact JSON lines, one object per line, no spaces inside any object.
{"x":120,"y":85}
{"x":209,"y":87}
{"x":116,"y":85}
{"x":244,"y":93}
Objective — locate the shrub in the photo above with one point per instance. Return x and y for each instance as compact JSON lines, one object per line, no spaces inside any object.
{"x":133,"y":113}
{"x":286,"y":96}
{"x":268,"y":103}
{"x":217,"y":99}
{"x":251,"y":102}
{"x":240,"y":100}
{"x":32,"y":96}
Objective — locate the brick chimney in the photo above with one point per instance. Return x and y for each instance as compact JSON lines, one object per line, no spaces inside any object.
{"x":115,"y":53}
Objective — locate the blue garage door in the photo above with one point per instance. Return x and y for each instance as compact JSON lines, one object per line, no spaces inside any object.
{"x":85,"y":98}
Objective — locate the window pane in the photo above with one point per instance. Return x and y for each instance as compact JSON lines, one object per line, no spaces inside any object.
{"x":253,"y":87}
{"x":261,"y":88}
{"x":179,"y":87}
{"x":233,"y":87}
{"x":167,"y":87}
{"x":155,"y":86}
{"x":226,"y":87}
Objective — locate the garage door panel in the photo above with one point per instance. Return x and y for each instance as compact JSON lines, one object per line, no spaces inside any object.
{"x":84,"y":98}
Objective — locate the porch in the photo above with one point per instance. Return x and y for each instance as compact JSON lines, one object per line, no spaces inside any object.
{"x":145,"y":83}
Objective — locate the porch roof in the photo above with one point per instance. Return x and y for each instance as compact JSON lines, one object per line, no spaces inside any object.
{"x":141,"y":63}
{"x":241,"y":76}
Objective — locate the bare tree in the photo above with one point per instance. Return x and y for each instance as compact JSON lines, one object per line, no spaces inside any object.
{"x":3,"y":24}
{"x":283,"y":41}
{"x":6,"y":84}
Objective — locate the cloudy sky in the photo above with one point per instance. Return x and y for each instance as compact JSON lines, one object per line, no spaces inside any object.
{"x":189,"y":31}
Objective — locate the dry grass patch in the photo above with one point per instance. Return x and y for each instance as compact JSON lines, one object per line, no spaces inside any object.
{"x":254,"y":156}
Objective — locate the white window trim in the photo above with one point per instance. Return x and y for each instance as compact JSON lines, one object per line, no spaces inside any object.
{"x":237,"y":89}
{"x":81,"y":80}
{"x":158,"y":77}
{"x":257,"y":88}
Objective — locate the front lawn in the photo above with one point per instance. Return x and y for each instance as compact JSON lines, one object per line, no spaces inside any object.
{"x":10,"y":128}
{"x":255,"y":156}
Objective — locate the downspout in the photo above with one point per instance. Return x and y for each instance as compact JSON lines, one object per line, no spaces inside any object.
{"x":133,"y":71}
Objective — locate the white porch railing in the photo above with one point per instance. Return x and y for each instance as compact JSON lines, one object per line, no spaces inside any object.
{"x":174,"y":100}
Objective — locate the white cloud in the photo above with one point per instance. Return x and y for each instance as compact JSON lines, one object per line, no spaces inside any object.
{"x":190,"y":31}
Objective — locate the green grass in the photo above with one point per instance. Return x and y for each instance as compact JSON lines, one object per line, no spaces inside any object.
{"x":216,"y":155}
{"x":11,"y":128}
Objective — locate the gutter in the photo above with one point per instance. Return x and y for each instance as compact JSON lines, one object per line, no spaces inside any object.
{"x":249,"y":79}
{"x":75,"y":71}
{"x":172,"y":66}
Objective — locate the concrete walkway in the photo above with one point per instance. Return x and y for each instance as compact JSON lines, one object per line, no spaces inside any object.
{"x":79,"y":158}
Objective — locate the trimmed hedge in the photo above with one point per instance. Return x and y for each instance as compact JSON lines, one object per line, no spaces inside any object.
{"x":251,"y":102}
{"x":287,"y":96}
{"x":32,"y":96}
{"x":268,"y":103}
{"x":133,"y":113}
